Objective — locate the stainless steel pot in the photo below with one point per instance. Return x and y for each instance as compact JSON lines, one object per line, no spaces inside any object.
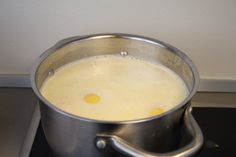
{"x":73,"y":136}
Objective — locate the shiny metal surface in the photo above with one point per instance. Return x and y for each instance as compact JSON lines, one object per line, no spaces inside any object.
{"x":205,"y":85}
{"x":126,"y":149}
{"x":72,"y":136}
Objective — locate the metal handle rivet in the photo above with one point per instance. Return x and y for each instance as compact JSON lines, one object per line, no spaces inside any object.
{"x":123,"y":53}
{"x":51,"y":72}
{"x":101,"y":144}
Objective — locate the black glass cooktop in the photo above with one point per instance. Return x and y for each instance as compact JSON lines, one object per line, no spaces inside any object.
{"x":217,"y":124}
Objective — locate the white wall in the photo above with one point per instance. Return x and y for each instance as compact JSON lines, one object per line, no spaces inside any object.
{"x":204,"y":29}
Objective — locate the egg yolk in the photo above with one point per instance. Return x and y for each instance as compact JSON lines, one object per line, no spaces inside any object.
{"x":156,"y":111}
{"x":92,"y":98}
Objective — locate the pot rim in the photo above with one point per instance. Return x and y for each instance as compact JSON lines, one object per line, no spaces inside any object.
{"x":67,"y":41}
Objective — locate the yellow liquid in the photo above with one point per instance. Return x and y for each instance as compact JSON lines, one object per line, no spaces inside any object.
{"x":114,"y":88}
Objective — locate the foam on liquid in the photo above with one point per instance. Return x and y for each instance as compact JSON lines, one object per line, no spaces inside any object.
{"x":114,"y":88}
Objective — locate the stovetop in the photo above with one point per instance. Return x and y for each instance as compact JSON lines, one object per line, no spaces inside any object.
{"x":217,"y":125}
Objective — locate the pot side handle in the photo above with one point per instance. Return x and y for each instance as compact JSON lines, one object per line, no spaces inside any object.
{"x":125,"y":148}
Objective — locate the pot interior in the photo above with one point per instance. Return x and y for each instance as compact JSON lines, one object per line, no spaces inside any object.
{"x":147,"y":49}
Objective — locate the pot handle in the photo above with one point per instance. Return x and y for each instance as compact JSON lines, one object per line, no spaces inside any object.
{"x":125,"y":148}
